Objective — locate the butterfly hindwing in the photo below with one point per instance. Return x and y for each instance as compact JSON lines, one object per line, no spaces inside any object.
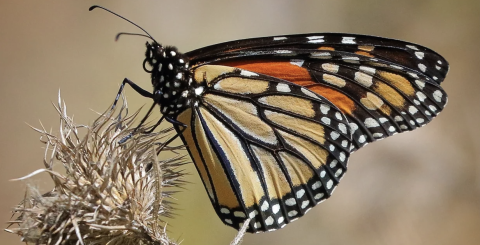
{"x":265,"y":148}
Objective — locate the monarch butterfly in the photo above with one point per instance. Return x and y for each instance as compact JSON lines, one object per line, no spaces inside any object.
{"x":270,"y":122}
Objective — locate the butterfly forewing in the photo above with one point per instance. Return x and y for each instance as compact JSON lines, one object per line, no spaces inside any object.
{"x":265,"y":148}
{"x":383,"y":86}
{"x":402,"y":53}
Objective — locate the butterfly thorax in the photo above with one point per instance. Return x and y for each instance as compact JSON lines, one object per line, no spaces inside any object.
{"x":170,"y":78}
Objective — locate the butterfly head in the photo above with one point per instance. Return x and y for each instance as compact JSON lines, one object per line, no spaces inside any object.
{"x":170,"y":77}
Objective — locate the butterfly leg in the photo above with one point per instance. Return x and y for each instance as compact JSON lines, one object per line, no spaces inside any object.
{"x":135,"y":87}
{"x":154,"y":126}
{"x":175,"y":123}
{"x":124,"y":139}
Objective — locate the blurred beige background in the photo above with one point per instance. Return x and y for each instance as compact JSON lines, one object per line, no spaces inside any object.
{"x":415,"y":188}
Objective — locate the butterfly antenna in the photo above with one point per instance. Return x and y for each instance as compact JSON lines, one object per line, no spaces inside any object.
{"x":129,"y":21}
{"x":132,"y":34}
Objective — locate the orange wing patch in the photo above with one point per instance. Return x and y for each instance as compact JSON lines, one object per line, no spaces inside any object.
{"x":278,"y":69}
{"x":295,"y":74}
{"x":326,"y":48}
{"x":363,"y":53}
{"x":367,"y":48}
{"x":343,"y":102}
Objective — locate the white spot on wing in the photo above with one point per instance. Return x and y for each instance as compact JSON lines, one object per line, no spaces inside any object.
{"x":367,"y":69}
{"x":371,"y":123}
{"x":279,"y":38}
{"x":422,"y":67}
{"x":292,"y":213}
{"x":350,"y":59}
{"x":353,"y":127}
{"x":330,"y":67}
{"x":342,"y":156}
{"x":269,"y":220}
{"x":248,"y":73}
{"x":396,"y":67}
{"x":412,"y":47}
{"x":414,"y":75}
{"x":419,"y":55}
{"x":420,"y":84}
{"x":342,"y":128}
{"x":348,"y":40}
{"x":437,"y":95}
{"x":324,"y":109}
{"x":309,"y":93}
{"x":300,"y":193}
{"x":275,"y":208}
{"x":377,"y":135}
{"x":321,"y":55}
{"x":290,"y":202}
{"x":338,"y":173}
{"x":297,"y":62}
{"x":333,"y":163}
{"x":264,"y":206}
{"x":283,"y":51}
{"x":305,"y":203}
{"x":421,"y":96}
{"x":316,"y":39}
{"x":329,"y":184}
{"x":338,"y":115}
{"x":325,"y":120}
{"x":364,"y":79}
{"x":316,"y":185}
{"x":318,"y":196}
{"x":361,"y":139}
{"x":412,"y":110}
{"x":282,"y":87}
{"x":239,"y":214}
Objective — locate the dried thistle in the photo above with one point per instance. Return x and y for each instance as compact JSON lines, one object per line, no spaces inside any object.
{"x":110,"y":193}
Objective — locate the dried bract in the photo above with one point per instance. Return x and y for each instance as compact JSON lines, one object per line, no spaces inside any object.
{"x":110,"y":193}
